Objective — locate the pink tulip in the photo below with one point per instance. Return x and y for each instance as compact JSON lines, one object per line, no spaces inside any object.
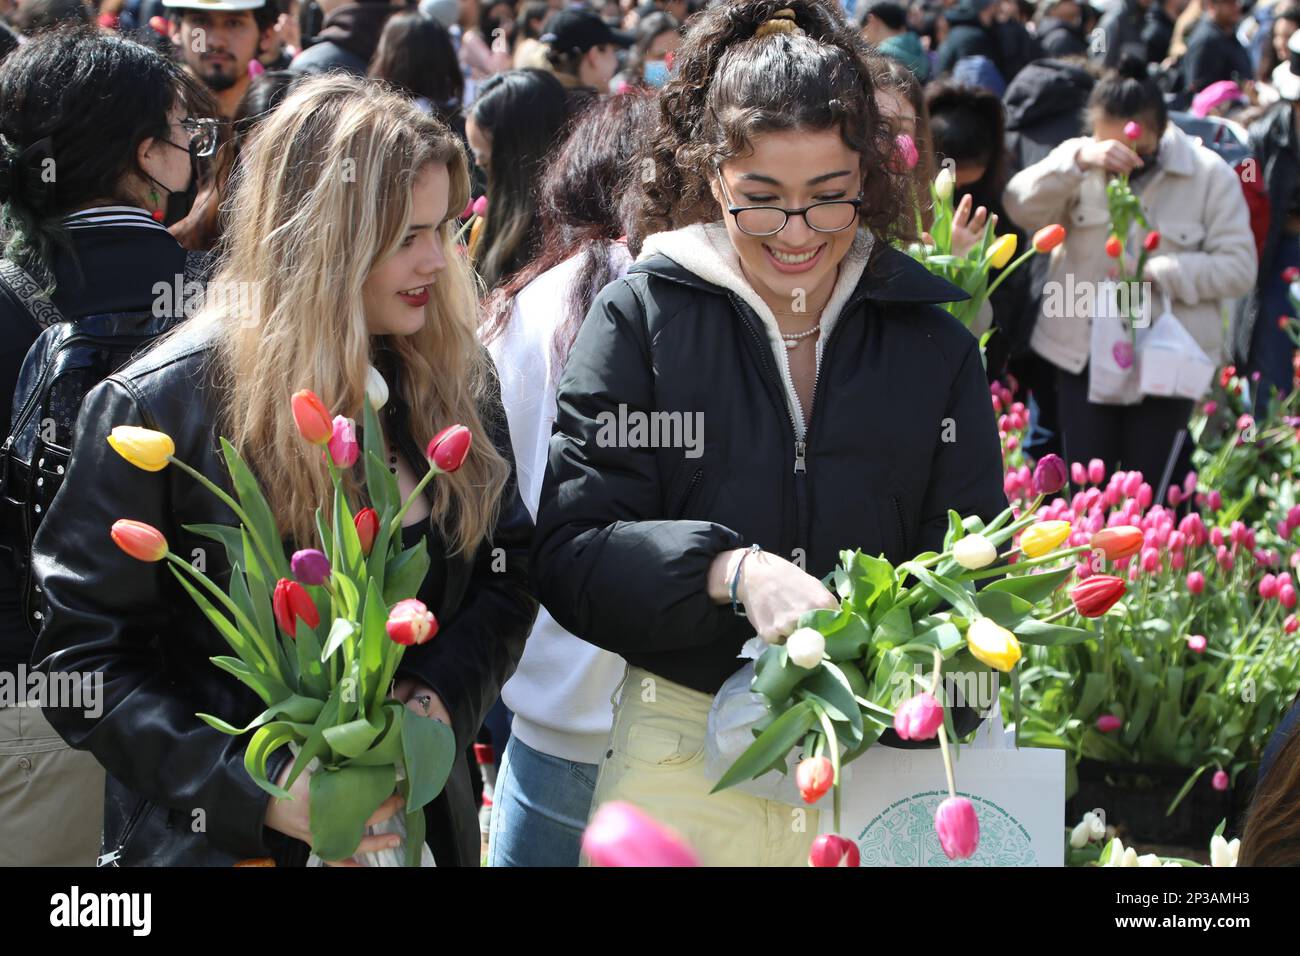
{"x":1291,"y":624}
{"x":1214,"y":500}
{"x":919,"y":717}
{"x":1132,"y":131}
{"x":1175,"y":495}
{"x":1178,"y":560}
{"x":469,"y":210}
{"x":343,"y":442}
{"x":1109,"y":723}
{"x":1012,"y":443}
{"x":480,"y":205}
{"x":1293,"y":516}
{"x":1244,"y":422}
{"x":1224,"y":559}
{"x":958,"y":828}
{"x":621,"y":835}
{"x":1196,"y":643}
{"x":1286,"y":594}
{"x":410,"y":622}
{"x":1083,"y":569}
{"x":1237,"y":533}
{"x":1216,"y":537}
{"x":1145,"y":495}
{"x":1078,"y":473}
{"x":1096,"y":471}
{"x":1132,"y":483}
{"x":1220,"y":780}
{"x":1284,"y":529}
{"x":907,"y":150}
{"x":1268,"y":587}
{"x":1210,"y":408}
{"x":1177,"y":541}
{"x":830,"y":849}
{"x":814,"y":776}
{"x":1150,"y":560}
{"x":1248,"y":539}
{"x":1189,"y":483}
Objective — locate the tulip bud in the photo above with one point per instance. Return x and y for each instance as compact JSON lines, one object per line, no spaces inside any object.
{"x":958,"y":828}
{"x":480,"y":205}
{"x":974,"y":552}
{"x":907,"y":150}
{"x":343,"y":442}
{"x":376,"y":388}
{"x":1152,"y":241}
{"x":1049,"y":237}
{"x":619,"y":834}
{"x":367,"y":524}
{"x":1078,"y":473}
{"x":1195,"y":582}
{"x":1214,"y":500}
{"x":1097,"y":595}
{"x":1291,"y":624}
{"x":1223,"y":853}
{"x":918,"y":717}
{"x":1003,"y":248}
{"x":814,"y":776}
{"x":805,"y":647}
{"x":1268,"y":587}
{"x":1119,"y":542}
{"x":449,"y":448}
{"x":992,"y":644}
{"x":830,"y":849}
{"x":1196,"y":643}
{"x":1290,"y":274}
{"x":142,"y":447}
{"x":1109,"y":723}
{"x":1096,"y":471}
{"x":1132,"y":131}
{"x":310,"y":566}
{"x":1080,"y":834}
{"x":1287,"y":596}
{"x":1043,"y":537}
{"x":1050,"y":475}
{"x":291,"y":603}
{"x":141,"y":541}
{"x":943,"y":184}
{"x":1220,"y":780}
{"x":410,"y":622}
{"x":309,"y":414}
{"x":1113,"y":247}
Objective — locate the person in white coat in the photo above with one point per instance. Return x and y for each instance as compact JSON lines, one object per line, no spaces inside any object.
{"x":1205,"y":257}
{"x":560,"y":693}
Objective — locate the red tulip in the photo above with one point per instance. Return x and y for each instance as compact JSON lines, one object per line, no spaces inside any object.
{"x":1109,"y":723}
{"x":1290,"y":274}
{"x":814,"y":777}
{"x":1097,"y":595}
{"x":310,"y":415}
{"x":292,"y":603}
{"x":1152,"y":241}
{"x":410,"y":622}
{"x":1049,"y":237}
{"x":141,"y":541}
{"x":958,"y":828}
{"x":1113,"y":247}
{"x":919,"y":717}
{"x":621,"y":835}
{"x":830,"y":849}
{"x":1119,"y":542}
{"x":449,"y":448}
{"x":367,"y":522}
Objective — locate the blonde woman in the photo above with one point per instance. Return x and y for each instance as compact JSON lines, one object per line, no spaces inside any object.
{"x":339,"y":256}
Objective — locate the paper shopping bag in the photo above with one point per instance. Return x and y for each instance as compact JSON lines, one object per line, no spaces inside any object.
{"x":1019,"y":796}
{"x":1172,"y":363}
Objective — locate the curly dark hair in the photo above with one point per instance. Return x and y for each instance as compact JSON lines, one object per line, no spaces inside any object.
{"x":730,"y":85}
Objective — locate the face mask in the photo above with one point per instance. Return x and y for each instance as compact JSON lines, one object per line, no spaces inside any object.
{"x":180,"y":201}
{"x":656,"y":72}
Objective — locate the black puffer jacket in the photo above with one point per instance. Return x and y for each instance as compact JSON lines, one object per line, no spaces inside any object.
{"x":902,"y":430}
{"x":109,"y":615}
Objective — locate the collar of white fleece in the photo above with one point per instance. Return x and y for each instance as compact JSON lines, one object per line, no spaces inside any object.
{"x":706,"y":250}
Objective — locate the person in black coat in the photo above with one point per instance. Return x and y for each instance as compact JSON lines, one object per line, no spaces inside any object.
{"x":1213,"y":52}
{"x":1121,"y":28}
{"x":94,"y":238}
{"x":1060,"y":29}
{"x":347,"y":39}
{"x":350,"y":270}
{"x":812,"y":376}
{"x":970,"y":33}
{"x":1158,"y":31}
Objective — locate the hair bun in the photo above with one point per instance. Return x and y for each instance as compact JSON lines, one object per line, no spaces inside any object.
{"x":1131,"y":67}
{"x":780,"y":22}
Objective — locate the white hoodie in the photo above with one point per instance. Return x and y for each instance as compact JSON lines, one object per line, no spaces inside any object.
{"x":560,"y":693}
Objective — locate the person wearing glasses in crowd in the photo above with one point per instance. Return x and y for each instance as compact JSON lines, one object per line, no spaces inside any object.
{"x":815,"y":380}
{"x":96,"y":237}
{"x":217,"y":39}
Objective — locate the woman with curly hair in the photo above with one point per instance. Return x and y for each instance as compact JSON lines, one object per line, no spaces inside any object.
{"x":770,"y":383}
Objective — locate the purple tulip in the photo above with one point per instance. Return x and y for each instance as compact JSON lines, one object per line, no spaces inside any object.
{"x":1050,"y":475}
{"x":310,"y":566}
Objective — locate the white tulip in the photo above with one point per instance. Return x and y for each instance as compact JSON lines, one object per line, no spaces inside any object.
{"x":1116,"y":857}
{"x":1148,"y":859}
{"x":944,"y":183}
{"x":1098,"y":826}
{"x":1223,"y":853}
{"x":376,"y":388}
{"x":974,"y":552}
{"x":806,"y":647}
{"x":1079,"y":835}
{"x":1130,"y":857}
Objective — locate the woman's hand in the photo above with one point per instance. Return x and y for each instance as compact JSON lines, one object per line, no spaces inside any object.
{"x":293,"y":817}
{"x":775,"y":592}
{"x":421,"y":699}
{"x":1108,"y":154}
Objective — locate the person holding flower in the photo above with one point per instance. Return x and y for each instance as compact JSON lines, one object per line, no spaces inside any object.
{"x":341,"y":233}
{"x":1198,"y":253}
{"x":823,"y":402}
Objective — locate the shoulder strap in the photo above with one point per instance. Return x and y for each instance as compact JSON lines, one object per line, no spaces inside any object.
{"x":30,"y":294}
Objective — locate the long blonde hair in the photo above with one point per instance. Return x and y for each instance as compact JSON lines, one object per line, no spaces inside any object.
{"x":322,"y":196}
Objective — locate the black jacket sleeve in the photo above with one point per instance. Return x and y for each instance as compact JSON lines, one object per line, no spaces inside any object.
{"x":108,"y":616}
{"x":477,"y":649}
{"x":607,"y":568}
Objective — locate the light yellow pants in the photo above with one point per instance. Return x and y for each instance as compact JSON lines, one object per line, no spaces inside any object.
{"x":655,"y":760}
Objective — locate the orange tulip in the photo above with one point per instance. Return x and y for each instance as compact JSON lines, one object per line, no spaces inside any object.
{"x":1119,"y":542}
{"x":141,"y":541}
{"x":1049,"y":237}
{"x":312,"y":418}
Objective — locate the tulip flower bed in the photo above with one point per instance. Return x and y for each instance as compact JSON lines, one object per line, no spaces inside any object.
{"x":318,"y":637}
{"x":1187,"y":676}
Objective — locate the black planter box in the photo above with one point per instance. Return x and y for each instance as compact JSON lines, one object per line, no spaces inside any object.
{"x":1135,"y":797}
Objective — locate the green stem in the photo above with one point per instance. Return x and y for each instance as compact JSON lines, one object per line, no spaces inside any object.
{"x":993,"y":571}
{"x":233,"y":505}
{"x":833,"y":743}
{"x":1010,"y":269}
{"x":240,"y":619}
{"x":396,"y":524}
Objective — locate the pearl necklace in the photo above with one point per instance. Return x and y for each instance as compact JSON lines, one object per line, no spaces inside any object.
{"x":792,"y":339}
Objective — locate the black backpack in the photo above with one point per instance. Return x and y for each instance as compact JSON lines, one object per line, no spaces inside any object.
{"x":67,"y":360}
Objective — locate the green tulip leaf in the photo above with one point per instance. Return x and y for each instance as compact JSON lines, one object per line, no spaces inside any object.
{"x":352,"y":739}
{"x":404,"y":574}
{"x":894,"y":629}
{"x":1034,"y":588}
{"x":340,"y":631}
{"x":259,"y":512}
{"x":264,"y":686}
{"x":772,"y":745}
{"x":850,"y":640}
{"x":229,"y":538}
{"x":429,"y":750}
{"x":775,"y":675}
{"x":266,"y":740}
{"x":342,"y":800}
{"x":1034,"y":631}
{"x":1003,"y":608}
{"x":947,"y":589}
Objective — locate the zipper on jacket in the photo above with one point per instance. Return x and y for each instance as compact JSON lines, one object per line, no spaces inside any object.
{"x":691,"y":488}
{"x":132,"y":822}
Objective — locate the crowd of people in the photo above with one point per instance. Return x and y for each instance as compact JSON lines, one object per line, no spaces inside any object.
{"x":533,"y":219}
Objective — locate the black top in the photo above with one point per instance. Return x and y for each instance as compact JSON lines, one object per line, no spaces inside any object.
{"x":1213,"y":55}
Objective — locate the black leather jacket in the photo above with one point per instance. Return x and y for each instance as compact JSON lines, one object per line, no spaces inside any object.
{"x":177,"y":792}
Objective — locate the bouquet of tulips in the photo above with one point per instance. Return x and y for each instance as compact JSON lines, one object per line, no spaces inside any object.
{"x":318,"y":636}
{"x":1125,"y":213}
{"x":847,"y":674}
{"x":970,"y":270}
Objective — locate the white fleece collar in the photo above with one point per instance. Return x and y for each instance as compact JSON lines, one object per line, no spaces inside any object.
{"x":706,"y":250}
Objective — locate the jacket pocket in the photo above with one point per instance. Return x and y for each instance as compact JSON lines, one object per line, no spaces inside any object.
{"x":686,"y":491}
{"x":1186,"y":236}
{"x":661,"y":748}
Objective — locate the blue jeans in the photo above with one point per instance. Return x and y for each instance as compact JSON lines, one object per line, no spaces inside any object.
{"x":539,"y":809}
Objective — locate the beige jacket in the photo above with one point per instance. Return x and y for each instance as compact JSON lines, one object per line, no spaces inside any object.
{"x":1206,"y":254}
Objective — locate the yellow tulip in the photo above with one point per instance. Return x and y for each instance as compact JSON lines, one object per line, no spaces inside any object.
{"x":992,"y":644}
{"x":1038,"y":539}
{"x":142,"y":447}
{"x":1004,"y":247}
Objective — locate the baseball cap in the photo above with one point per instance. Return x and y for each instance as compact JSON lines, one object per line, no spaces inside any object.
{"x":577,"y":31}
{"x":220,"y":6}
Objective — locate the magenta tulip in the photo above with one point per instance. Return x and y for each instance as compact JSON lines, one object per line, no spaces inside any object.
{"x":1050,"y":475}
{"x":958,"y":828}
{"x":1268,"y":587}
{"x":1196,"y":643}
{"x":621,"y":835}
{"x":1196,"y":582}
{"x":1109,"y":723}
{"x":1096,"y":471}
{"x":919,"y":717}
{"x":343,"y":442}
{"x":1220,"y":780}
{"x":310,"y":566}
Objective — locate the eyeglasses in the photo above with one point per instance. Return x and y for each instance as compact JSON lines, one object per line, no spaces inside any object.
{"x":203,"y":136}
{"x":835,"y":215}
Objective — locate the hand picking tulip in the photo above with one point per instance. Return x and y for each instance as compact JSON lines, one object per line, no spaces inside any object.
{"x":319,"y":638}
